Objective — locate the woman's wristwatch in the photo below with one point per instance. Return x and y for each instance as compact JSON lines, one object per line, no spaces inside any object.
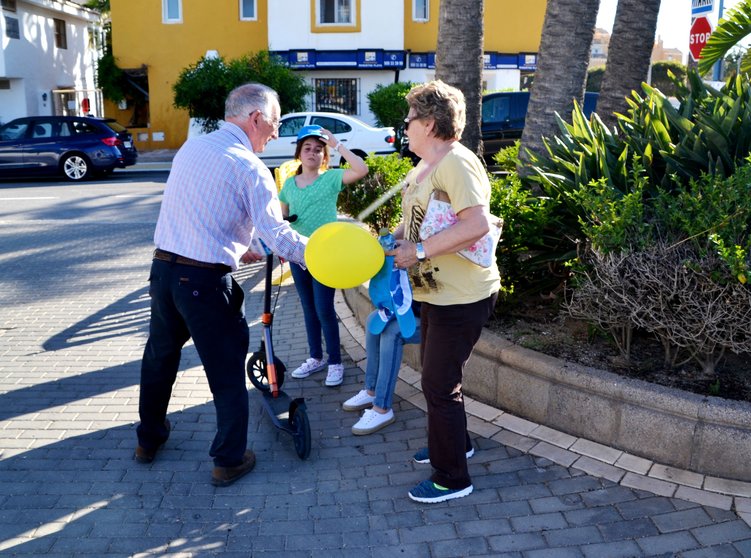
{"x":420,"y":252}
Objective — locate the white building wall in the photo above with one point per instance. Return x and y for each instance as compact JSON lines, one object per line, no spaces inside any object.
{"x":35,"y":66}
{"x":367,"y":82}
{"x":382,"y":26}
{"x":501,"y":80}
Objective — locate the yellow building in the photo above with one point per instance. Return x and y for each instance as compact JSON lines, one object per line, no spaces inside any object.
{"x":342,"y":46}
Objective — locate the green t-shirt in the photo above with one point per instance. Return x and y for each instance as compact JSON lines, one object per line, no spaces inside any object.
{"x":314,"y":205}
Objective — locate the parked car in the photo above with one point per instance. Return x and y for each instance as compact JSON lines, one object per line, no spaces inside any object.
{"x":77,"y":147}
{"x":503,"y":116}
{"x":359,"y":137}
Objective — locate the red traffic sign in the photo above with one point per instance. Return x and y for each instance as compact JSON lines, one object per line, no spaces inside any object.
{"x":700,"y":32}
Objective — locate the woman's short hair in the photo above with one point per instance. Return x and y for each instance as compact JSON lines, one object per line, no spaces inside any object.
{"x":326,"y":156}
{"x":444,"y":104}
{"x":248,"y":98}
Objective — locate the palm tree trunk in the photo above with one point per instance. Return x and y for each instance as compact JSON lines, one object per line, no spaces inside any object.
{"x":561,"y":74}
{"x":459,"y":60}
{"x":629,"y":55}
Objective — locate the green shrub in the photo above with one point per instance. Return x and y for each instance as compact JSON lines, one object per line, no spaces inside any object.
{"x":527,"y":249}
{"x":388,"y":105}
{"x":657,"y":150}
{"x":594,"y":79}
{"x":664,"y":75}
{"x":612,"y":221}
{"x":507,"y":158}
{"x":714,"y":214}
{"x":202,"y":88}
{"x":384,"y":173}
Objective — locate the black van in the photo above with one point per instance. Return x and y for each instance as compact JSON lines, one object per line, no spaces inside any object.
{"x":503,"y":115}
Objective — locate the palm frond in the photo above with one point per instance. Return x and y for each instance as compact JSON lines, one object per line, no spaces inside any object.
{"x":730,"y":31}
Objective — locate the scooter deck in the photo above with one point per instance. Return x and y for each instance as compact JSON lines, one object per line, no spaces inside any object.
{"x":280,"y":408}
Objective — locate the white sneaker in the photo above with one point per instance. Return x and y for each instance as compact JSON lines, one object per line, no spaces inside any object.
{"x":359,"y":401}
{"x":372,"y":421}
{"x":336,"y":375}
{"x":309,"y":367}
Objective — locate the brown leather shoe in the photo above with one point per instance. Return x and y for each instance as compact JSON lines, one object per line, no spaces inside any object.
{"x":145,"y":456}
{"x":224,"y":476}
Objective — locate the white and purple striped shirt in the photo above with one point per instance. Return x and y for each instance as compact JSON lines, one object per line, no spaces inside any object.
{"x":217,"y":193}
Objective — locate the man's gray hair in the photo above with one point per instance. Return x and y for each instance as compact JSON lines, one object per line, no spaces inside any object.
{"x":247,"y":98}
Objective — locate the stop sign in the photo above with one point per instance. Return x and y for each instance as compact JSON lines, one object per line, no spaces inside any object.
{"x":700,"y":32}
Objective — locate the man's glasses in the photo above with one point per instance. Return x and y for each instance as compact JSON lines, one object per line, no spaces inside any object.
{"x":273,"y":123}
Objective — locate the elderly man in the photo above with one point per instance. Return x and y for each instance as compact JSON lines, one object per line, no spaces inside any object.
{"x":218,"y":195}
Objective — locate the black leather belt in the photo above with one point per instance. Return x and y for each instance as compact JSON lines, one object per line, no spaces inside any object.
{"x":165,"y":256}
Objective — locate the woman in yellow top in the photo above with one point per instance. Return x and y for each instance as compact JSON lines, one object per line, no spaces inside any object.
{"x":310,"y":195}
{"x":457,"y":295}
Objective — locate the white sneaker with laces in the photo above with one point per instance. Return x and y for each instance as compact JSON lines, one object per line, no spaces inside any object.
{"x":359,"y":401}
{"x":371,"y":421}
{"x":309,"y":367}
{"x":336,"y":375}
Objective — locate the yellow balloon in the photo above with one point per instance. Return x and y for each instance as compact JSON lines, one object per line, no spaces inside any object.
{"x":343,"y":255}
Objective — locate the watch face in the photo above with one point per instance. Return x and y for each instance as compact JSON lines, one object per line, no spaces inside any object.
{"x":420,"y":251}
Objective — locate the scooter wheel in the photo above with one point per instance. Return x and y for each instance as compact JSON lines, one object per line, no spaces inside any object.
{"x":301,"y":432}
{"x":258,"y":374}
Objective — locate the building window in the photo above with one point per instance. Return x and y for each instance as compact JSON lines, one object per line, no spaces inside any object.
{"x":336,"y":12}
{"x":9,"y":5}
{"x":420,"y":10}
{"x":12,"y":30}
{"x":248,"y":9}
{"x":172,"y":11}
{"x":61,"y":35}
{"x":336,"y":95}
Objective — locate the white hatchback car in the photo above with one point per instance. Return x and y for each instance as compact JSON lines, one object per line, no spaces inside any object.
{"x":360,"y":137}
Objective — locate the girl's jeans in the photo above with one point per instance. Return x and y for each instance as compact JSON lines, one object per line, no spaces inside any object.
{"x":384,"y":354}
{"x":318,"y":310}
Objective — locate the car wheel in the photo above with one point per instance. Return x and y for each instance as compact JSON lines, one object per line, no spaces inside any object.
{"x":76,"y":167}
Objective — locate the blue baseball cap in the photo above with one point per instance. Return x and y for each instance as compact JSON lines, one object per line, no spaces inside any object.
{"x":312,"y":131}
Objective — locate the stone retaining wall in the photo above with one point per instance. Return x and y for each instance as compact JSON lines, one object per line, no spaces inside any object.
{"x":708,"y":435}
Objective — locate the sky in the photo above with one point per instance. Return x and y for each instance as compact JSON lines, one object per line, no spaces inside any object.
{"x":673,"y":23}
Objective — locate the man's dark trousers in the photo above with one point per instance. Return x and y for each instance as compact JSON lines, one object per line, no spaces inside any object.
{"x":207,"y":305}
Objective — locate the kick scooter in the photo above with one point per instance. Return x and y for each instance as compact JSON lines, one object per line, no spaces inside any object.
{"x":266,"y":373}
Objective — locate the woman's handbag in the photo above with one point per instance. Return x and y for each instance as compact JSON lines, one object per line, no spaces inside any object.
{"x":439,"y":215}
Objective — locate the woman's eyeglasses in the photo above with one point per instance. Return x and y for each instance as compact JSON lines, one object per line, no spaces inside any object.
{"x":408,"y":120}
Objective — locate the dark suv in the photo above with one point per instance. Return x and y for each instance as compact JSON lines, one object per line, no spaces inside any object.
{"x":75,"y":146}
{"x":503,"y":117}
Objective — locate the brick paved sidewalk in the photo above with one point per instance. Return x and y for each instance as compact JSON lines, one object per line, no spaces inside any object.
{"x":73,"y":322}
